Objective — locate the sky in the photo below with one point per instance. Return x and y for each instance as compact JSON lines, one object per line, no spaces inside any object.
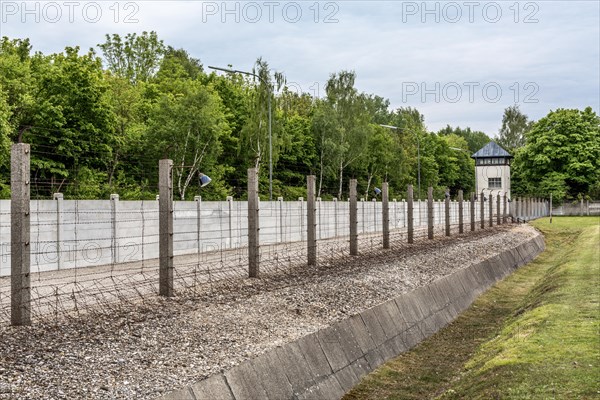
{"x":459,"y":63}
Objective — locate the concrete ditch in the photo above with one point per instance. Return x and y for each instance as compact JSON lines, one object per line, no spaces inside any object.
{"x":328,"y":363}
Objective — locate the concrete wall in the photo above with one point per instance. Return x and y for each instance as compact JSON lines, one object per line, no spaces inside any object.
{"x":326,"y":364}
{"x":484,"y":172}
{"x":83,"y":233}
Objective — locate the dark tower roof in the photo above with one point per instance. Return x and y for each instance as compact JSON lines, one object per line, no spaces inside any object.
{"x":492,"y":149}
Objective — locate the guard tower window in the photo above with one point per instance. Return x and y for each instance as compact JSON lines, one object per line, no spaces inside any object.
{"x":495,"y":183}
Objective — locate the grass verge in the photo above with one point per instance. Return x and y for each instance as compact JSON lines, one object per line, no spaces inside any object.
{"x":535,"y":335}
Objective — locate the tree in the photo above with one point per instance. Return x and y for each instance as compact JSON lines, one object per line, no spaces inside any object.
{"x":461,"y":173}
{"x":561,"y":154}
{"x":379,"y":155}
{"x":475,"y":139}
{"x":254,"y":136}
{"x":514,"y":126}
{"x":342,"y":126}
{"x":137,"y":58}
{"x":187,"y":125}
{"x":70,"y":123}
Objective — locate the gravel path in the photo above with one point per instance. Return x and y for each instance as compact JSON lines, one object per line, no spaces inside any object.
{"x":152,"y":347}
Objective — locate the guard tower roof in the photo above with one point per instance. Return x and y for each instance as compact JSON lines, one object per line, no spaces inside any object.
{"x":492,"y":149}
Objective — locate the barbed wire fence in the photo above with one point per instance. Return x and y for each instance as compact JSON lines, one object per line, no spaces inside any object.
{"x":64,"y":258}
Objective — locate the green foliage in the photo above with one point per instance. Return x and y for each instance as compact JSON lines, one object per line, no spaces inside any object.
{"x":135,"y":58}
{"x":561,"y":155}
{"x":475,"y":139}
{"x":514,"y":126}
{"x":98,"y":130}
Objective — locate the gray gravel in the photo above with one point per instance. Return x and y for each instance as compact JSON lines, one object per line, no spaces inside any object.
{"x":152,"y":347}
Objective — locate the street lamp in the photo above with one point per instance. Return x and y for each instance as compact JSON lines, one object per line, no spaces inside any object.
{"x":418,"y":156}
{"x":235,"y":71}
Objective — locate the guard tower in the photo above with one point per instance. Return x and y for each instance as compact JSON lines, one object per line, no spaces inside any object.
{"x":492,"y":169}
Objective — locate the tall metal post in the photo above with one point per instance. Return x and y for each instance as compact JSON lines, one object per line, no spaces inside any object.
{"x":253,"y":225}
{"x":311,"y":220}
{"x":20,"y":235}
{"x":165,"y":227}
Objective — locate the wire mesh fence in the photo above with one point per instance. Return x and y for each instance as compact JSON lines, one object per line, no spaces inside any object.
{"x":95,"y":256}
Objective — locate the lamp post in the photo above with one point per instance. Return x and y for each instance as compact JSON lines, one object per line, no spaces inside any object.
{"x":234,"y":71}
{"x":418,"y":156}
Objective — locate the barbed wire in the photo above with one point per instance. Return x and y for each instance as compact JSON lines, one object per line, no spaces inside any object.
{"x":97,"y":256}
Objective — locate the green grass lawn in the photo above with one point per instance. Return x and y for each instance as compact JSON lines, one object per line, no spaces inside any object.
{"x":535,"y":335}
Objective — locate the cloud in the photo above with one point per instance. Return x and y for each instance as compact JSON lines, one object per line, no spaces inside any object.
{"x":547,"y":52}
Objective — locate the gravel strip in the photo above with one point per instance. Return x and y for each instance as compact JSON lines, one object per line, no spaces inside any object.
{"x":149,"y":348}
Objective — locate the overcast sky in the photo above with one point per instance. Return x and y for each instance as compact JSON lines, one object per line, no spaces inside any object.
{"x":459,"y":63}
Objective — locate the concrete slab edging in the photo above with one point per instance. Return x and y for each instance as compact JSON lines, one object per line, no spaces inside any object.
{"x":326,"y":364}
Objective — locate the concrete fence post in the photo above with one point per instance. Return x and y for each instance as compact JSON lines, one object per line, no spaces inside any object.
{"x":430,"y":212}
{"x":498,"y":213}
{"x":20,"y":235}
{"x":410,"y":214}
{"x":354,"y":218}
{"x":253,"y":225}
{"x":482,"y":207}
{"x":198,"y":200}
{"x":59,"y":229}
{"x":447,"y":212}
{"x":581,"y":208}
{"x":460,"y":211}
{"x":472,"y":211}
{"x":311,"y":220}
{"x":385,"y":215}
{"x":114,"y":222}
{"x":550,"y":208}
{"x":165,"y":227}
